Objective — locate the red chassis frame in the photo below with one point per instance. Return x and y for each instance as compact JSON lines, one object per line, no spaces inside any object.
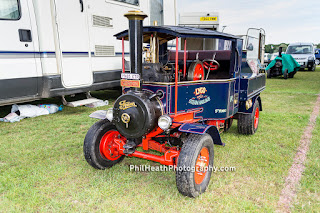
{"x":114,"y":149}
{"x":171,"y":154}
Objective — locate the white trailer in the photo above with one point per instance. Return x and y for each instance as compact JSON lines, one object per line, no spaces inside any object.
{"x":61,"y":47}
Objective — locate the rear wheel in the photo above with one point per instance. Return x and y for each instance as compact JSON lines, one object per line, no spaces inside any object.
{"x":98,"y":145}
{"x":195,"y":165}
{"x":285,"y":74}
{"x":268,"y":74}
{"x":248,"y":123}
{"x":291,"y":74}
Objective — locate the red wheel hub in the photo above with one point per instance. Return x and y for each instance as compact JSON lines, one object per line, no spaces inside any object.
{"x":198,"y":73}
{"x":256,"y":118}
{"x":202,"y":165}
{"x":108,"y":147}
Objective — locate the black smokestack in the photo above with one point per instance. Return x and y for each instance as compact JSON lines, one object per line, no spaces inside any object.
{"x":135,"y":37}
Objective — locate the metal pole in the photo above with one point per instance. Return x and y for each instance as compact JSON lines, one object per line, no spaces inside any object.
{"x":136,"y":39}
{"x":185,"y":58}
{"x":123,"y":64}
{"x":176,"y":78}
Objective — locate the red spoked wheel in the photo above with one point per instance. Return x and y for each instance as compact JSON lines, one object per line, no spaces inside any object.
{"x":256,"y":118}
{"x":201,"y":166}
{"x":108,"y":147}
{"x":100,"y":148}
{"x":196,"y":71}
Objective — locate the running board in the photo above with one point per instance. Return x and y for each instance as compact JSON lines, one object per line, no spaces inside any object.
{"x":82,"y":102}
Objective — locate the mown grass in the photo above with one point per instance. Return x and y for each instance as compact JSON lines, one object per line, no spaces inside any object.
{"x":42,"y":167}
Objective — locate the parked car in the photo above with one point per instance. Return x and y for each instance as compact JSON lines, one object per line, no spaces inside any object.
{"x":317,"y":55}
{"x":267,"y":57}
{"x":304,"y":54}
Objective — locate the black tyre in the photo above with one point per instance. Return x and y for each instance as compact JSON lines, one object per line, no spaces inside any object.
{"x":195,"y":165}
{"x":285,"y":74}
{"x":248,"y":123}
{"x":268,"y":74}
{"x":313,"y":68}
{"x":101,"y":132}
{"x":291,"y":74}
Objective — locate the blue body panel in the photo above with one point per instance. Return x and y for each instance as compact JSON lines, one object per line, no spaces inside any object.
{"x":216,"y":99}
{"x":194,"y":128}
{"x":318,"y":55}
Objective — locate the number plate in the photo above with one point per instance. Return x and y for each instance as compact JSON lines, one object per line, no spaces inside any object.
{"x":133,"y":76}
{"x":208,"y":18}
{"x":130,"y":83}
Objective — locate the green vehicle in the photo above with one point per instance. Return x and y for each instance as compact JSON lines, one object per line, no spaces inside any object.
{"x":284,"y":65}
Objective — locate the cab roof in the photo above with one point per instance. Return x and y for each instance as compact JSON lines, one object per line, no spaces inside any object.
{"x":167,"y":33}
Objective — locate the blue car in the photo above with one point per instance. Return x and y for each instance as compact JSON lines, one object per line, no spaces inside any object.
{"x":317,"y":56}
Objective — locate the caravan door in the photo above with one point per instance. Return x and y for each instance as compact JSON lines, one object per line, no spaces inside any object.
{"x":73,"y":34}
{"x":18,"y":71}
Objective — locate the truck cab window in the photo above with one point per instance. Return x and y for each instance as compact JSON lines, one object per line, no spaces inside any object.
{"x":9,"y":10}
{"x":133,"y":2}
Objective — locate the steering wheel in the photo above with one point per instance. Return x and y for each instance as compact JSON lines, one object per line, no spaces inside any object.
{"x":211,"y":64}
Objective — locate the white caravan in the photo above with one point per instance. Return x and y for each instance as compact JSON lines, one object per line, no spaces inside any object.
{"x":61,"y":47}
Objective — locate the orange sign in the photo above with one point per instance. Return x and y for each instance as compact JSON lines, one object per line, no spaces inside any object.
{"x":130,"y":83}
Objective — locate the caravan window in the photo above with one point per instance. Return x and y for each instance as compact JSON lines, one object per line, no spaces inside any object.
{"x":9,"y":10}
{"x":134,"y":2}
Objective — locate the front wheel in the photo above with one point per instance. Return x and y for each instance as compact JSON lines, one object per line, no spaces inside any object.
{"x":268,"y":73}
{"x":248,"y":123}
{"x":313,"y":68}
{"x":285,"y":74}
{"x":195,"y":165}
{"x":98,"y":145}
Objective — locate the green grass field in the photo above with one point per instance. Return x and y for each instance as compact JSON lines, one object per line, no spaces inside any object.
{"x":42,"y":167}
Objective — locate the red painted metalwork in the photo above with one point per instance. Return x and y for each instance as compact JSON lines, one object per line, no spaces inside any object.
{"x":185,"y":117}
{"x":108,"y":147}
{"x":198,"y":73}
{"x":218,"y":123}
{"x":168,"y":158}
{"x":157,"y":146}
{"x":210,"y":66}
{"x":147,"y":138}
{"x":185,"y":58}
{"x":176,"y":80}
{"x":123,"y":64}
{"x":201,"y":166}
{"x":256,"y":118}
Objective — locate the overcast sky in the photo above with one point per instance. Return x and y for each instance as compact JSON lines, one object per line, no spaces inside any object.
{"x":284,"y":20}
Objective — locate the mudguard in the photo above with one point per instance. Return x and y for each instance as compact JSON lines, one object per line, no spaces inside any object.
{"x":201,"y":129}
{"x":242,"y":105}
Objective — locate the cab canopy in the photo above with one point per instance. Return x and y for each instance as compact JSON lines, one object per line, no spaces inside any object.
{"x":167,"y":33}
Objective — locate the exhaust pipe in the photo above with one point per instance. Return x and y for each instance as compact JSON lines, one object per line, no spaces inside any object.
{"x":135,"y":38}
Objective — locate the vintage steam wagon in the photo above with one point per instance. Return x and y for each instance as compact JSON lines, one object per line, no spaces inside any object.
{"x":284,"y":65}
{"x":176,"y":103}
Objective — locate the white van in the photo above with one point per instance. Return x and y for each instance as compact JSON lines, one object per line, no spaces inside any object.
{"x":304,"y":54}
{"x":61,"y":47}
